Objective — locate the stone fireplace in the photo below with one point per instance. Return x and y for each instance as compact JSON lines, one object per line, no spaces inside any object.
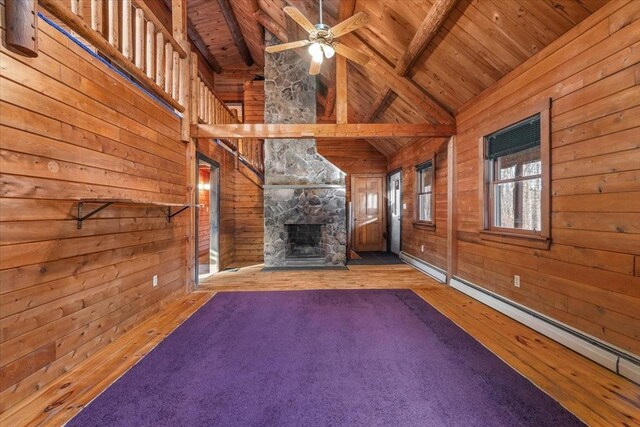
{"x":304,"y":193}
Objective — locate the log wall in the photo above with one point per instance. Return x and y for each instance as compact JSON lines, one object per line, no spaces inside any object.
{"x":590,"y":277}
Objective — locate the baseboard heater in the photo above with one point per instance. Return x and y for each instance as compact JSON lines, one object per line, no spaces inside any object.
{"x":430,"y":270}
{"x":613,"y":358}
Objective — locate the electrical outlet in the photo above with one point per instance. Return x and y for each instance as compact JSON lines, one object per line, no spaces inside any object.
{"x":404,"y":206}
{"x":154,"y":280}
{"x":516,"y":281}
{"x":422,"y":248}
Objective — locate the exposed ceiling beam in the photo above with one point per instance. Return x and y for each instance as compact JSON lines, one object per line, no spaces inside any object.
{"x":197,"y":41}
{"x":272,"y":26}
{"x":236,"y":31}
{"x":427,"y":31}
{"x":301,"y":131}
{"x":405,"y":88}
{"x":376,"y":107}
{"x":342,"y":101}
{"x":200,"y":44}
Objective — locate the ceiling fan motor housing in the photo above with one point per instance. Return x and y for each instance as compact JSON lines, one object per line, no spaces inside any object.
{"x":322,"y":35}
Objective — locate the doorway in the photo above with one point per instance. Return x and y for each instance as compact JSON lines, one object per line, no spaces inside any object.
{"x":394,"y":189}
{"x":367,"y":193}
{"x":207,"y":217}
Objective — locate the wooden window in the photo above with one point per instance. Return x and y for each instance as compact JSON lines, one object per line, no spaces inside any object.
{"x":425,"y":207}
{"x":516,"y":183}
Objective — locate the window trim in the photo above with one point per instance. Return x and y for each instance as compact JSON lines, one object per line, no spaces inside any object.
{"x":428,"y":163}
{"x":536,"y":239}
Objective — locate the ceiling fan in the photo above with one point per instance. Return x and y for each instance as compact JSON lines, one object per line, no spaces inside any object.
{"x":322,"y":38}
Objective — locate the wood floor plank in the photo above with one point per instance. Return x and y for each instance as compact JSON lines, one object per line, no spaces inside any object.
{"x":594,"y":394}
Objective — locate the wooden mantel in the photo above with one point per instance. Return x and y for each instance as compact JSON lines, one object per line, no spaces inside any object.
{"x":299,"y":131}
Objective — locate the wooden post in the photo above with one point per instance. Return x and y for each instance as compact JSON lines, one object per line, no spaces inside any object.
{"x":179,"y":26}
{"x":452,"y":238}
{"x":341,"y":90}
{"x":21,"y":18}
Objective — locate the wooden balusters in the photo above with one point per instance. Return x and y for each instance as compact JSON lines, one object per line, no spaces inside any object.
{"x":127,"y":30}
{"x":168,"y":67}
{"x":97,"y":16}
{"x":150,"y":53}
{"x":132,"y":37}
{"x":76,"y":7}
{"x":160,"y":59}
{"x":175,"y":78}
{"x":112,"y":22}
{"x":138,"y":40}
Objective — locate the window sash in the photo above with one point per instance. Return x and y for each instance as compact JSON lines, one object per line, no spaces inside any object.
{"x":424,"y":198}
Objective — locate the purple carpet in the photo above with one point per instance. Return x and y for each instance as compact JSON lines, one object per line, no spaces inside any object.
{"x":319,"y":358}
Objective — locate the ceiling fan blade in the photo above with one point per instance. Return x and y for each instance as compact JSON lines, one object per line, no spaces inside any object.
{"x":286,"y":46}
{"x":315,"y":67}
{"x":351,"y":54}
{"x":297,"y":16}
{"x":358,"y":20}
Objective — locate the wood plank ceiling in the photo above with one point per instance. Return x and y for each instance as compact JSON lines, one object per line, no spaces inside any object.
{"x":479,"y":42}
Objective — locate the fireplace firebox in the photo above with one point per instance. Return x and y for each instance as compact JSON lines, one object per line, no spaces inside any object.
{"x":304,"y":241}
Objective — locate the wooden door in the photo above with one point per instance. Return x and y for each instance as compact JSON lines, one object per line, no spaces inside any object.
{"x":367,"y":193}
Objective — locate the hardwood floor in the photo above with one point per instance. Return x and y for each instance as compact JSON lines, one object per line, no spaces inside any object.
{"x":596,"y":395}
{"x":252,"y":278}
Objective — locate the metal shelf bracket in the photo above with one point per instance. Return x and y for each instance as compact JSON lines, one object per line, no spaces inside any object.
{"x":90,"y":214}
{"x":171,"y":215}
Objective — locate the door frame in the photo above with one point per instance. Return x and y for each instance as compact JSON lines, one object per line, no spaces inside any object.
{"x":389,"y":218}
{"x":213,"y":164}
{"x":384,"y":220}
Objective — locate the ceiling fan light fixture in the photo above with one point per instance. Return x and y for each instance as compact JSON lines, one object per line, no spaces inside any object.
{"x":316,"y":52}
{"x":329,"y":51}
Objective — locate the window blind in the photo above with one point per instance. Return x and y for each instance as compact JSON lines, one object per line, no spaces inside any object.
{"x":424,"y":165}
{"x":517,"y":137}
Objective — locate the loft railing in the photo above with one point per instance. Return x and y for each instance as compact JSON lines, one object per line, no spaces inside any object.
{"x":211,"y":110}
{"x":128,"y":33}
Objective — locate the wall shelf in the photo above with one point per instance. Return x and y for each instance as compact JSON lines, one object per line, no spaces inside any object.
{"x":105,"y":203}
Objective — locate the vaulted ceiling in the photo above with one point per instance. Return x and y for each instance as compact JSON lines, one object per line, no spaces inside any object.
{"x":479,"y":42}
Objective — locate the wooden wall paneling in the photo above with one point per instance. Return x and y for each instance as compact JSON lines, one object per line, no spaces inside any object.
{"x":352,"y":156}
{"x":588,"y":278}
{"x":79,"y":130}
{"x":414,"y":236}
{"x":249,"y":219}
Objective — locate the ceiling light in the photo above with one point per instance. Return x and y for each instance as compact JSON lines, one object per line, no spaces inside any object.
{"x":316,"y":52}
{"x":329,"y":51}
